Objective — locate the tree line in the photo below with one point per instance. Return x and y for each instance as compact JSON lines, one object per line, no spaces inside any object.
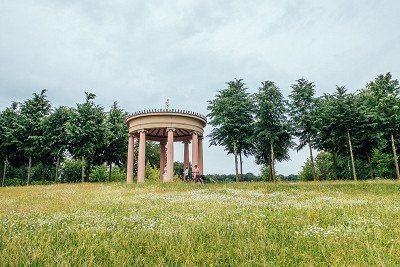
{"x":63,"y":143}
{"x":355,"y":134}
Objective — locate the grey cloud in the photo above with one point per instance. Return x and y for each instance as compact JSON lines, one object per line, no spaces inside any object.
{"x":141,"y":52}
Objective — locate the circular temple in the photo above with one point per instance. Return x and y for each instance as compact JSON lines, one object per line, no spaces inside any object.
{"x":165,"y":126}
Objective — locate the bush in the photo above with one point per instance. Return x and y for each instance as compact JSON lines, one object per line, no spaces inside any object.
{"x":152,"y":173}
{"x":17,"y":172}
{"x":42,"y":174}
{"x":383,"y":165}
{"x":71,"y":171}
{"x":118,"y":174}
{"x":14,"y":182}
{"x":98,"y":174}
{"x":266,"y":173}
{"x":220,"y":177}
{"x":306,"y":172}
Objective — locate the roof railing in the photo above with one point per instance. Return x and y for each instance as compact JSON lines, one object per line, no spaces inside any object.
{"x":167,"y":110}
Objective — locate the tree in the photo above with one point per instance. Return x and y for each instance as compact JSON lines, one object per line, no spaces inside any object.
{"x":31,"y":133}
{"x":231,"y":116}
{"x":338,"y":122}
{"x":117,"y":137}
{"x":87,"y":132}
{"x":9,"y":143}
{"x":367,"y":136}
{"x":302,"y":111}
{"x":272,"y":128}
{"x":384,"y":93}
{"x":56,"y":134}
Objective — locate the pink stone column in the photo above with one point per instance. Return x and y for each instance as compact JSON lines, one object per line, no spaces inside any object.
{"x":186,"y":154}
{"x":195,"y":150}
{"x":141,"y":156}
{"x":162,"y":159}
{"x":129,"y":164}
{"x":170,"y":155}
{"x":201,"y":154}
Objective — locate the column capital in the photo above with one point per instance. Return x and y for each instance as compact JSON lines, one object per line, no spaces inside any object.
{"x":195,"y":132}
{"x":170,"y":129}
{"x":186,"y":142}
{"x":141,"y":131}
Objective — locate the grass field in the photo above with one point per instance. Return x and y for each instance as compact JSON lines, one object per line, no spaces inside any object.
{"x":246,"y":224}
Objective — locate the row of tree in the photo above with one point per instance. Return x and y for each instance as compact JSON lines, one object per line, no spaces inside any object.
{"x":355,"y":126}
{"x":33,"y":132}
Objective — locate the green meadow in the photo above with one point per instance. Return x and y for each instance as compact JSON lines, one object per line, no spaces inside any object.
{"x":180,"y":224}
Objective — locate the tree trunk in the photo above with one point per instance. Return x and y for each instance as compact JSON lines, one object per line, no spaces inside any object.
{"x":371,"y":170}
{"x":236,"y":168}
{"x":83,"y":169}
{"x":273,"y":162}
{"x":29,"y":170}
{"x":57,"y":167}
{"x":4,"y":171}
{"x":395,"y":157}
{"x":241,"y":166}
{"x":236,"y":162}
{"x":109,"y":171}
{"x":270,"y":170}
{"x":42,"y":174}
{"x":334,"y":159}
{"x":312,"y":159}
{"x":353,"y":167}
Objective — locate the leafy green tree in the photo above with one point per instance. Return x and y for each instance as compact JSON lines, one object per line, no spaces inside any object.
{"x":87,"y":133}
{"x":338,"y":123}
{"x":9,"y":143}
{"x":31,"y":133}
{"x":302,"y":111}
{"x":367,"y":136}
{"x":56,"y":135}
{"x":272,"y":128}
{"x":347,"y":120}
{"x":384,"y":92}
{"x":117,"y":137}
{"x":327,"y":138}
{"x":231,"y":116}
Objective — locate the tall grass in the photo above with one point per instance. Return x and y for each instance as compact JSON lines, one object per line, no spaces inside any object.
{"x":246,"y":224}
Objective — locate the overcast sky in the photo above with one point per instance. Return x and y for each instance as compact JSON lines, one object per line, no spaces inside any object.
{"x":139,"y":53}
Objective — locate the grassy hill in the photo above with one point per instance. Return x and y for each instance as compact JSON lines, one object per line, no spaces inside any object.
{"x":247,"y":224}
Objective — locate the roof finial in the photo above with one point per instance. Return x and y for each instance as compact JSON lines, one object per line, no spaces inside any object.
{"x":167,"y":104}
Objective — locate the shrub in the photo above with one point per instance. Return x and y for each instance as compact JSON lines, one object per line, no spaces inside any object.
{"x":306,"y":172}
{"x":14,"y":182}
{"x":71,"y":171}
{"x":266,"y":173}
{"x":118,"y":174}
{"x":42,"y":174}
{"x":98,"y":174}
{"x":152,"y":173}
